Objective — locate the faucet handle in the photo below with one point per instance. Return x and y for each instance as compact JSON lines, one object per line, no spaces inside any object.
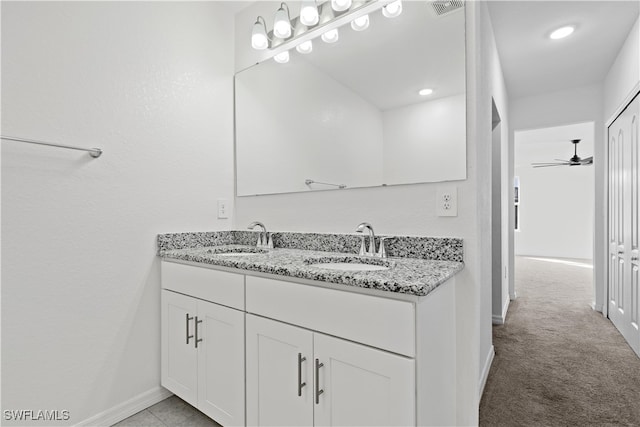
{"x":259,"y":243}
{"x":382,"y":251}
{"x":269,"y":242}
{"x":372,"y":246}
{"x":363,"y":248}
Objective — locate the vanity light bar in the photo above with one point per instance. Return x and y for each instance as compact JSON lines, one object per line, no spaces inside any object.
{"x":278,"y":45}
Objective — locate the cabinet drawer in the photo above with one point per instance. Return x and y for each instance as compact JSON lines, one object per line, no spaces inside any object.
{"x":204,"y":283}
{"x":379,"y":322}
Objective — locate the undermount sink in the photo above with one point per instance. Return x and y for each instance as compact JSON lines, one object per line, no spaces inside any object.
{"x":236,"y":251}
{"x":349,"y":263}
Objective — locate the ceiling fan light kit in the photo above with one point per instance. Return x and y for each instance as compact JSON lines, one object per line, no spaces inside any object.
{"x":575,"y":160}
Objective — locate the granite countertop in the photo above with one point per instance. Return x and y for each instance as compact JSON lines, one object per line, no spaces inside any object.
{"x":412,"y":276}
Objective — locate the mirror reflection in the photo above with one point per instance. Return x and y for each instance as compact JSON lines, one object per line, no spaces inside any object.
{"x":352,"y":114}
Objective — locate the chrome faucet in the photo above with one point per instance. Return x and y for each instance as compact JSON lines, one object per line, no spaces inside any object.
{"x":382,"y":251}
{"x":264,"y":238}
{"x":372,"y":239}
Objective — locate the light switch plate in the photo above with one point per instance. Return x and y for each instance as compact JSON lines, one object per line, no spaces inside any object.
{"x":447,"y":201}
{"x":223,"y":208}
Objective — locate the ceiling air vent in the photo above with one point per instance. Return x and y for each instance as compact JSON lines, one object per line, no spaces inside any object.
{"x":444,"y":7}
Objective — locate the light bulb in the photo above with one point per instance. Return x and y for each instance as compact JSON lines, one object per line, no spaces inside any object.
{"x":305,"y":47}
{"x":259,"y":40}
{"x":360,"y":23}
{"x":561,"y":33}
{"x":282,"y":24}
{"x":282,"y":57}
{"x":425,"y":92}
{"x":330,"y":36}
{"x":392,"y":9}
{"x":309,"y":13}
{"x":340,"y":5}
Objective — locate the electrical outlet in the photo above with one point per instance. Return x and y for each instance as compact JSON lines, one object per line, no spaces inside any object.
{"x":223,"y":208}
{"x":447,"y":201}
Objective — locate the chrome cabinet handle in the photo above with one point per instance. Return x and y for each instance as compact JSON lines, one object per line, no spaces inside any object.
{"x":197,"y":339}
{"x":318,"y":390}
{"x":300,"y":383}
{"x":188,"y":336}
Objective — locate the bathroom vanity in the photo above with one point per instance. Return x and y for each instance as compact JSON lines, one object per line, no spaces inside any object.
{"x":270,"y":338}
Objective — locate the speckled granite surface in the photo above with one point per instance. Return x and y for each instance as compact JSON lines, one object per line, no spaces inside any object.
{"x":433,"y":248}
{"x":405,"y":275}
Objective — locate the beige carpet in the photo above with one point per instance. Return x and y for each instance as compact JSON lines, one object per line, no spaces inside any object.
{"x":558,"y":362}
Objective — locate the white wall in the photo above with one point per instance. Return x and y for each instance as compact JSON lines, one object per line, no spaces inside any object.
{"x":571,"y":106}
{"x":425,"y":141}
{"x":151,"y":84}
{"x":411,"y":209}
{"x":556,"y":203}
{"x":624,"y":73}
{"x":492,"y":89}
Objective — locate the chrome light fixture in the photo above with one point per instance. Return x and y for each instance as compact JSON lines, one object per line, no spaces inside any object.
{"x":282,"y":22}
{"x":259,"y":39}
{"x":330,"y":36}
{"x":282,"y":57}
{"x":340,"y":5}
{"x":305,"y":47}
{"x":392,"y":9}
{"x":309,"y":13}
{"x":317,"y":18}
{"x":360,"y":23}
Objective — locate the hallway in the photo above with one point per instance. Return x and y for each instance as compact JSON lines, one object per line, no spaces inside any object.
{"x":557,"y":361}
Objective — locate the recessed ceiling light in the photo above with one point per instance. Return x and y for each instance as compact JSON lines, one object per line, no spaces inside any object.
{"x":561,"y":33}
{"x":425,"y":92}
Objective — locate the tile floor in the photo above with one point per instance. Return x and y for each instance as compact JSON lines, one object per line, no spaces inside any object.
{"x":171,"y":412}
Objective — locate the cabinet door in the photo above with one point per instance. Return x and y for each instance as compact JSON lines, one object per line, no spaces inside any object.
{"x":179,"y":355}
{"x":221,"y":363}
{"x":361,"y":385}
{"x":276,"y":352}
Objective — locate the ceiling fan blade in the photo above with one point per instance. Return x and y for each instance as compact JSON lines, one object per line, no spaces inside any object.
{"x":548,"y":165}
{"x":551,"y":163}
{"x":587,"y":161}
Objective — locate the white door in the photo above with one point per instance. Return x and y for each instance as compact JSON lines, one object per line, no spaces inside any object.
{"x":359,"y":385}
{"x":179,"y":355}
{"x":624,"y":194}
{"x":219,"y":337}
{"x":279,"y":374}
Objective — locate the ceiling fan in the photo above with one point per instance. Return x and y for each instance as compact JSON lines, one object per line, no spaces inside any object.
{"x":573,"y":161}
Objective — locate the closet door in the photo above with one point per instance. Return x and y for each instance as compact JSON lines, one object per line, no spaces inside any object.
{"x":624,"y":194}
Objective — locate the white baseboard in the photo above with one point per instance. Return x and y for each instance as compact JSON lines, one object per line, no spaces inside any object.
{"x":485,"y":371}
{"x":597,"y":308}
{"x":499,"y":319}
{"x":128,"y":408}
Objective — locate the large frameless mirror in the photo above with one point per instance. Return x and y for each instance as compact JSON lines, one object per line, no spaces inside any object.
{"x":352,"y":114}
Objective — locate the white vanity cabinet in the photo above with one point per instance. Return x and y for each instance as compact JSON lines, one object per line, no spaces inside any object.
{"x":301,"y":378}
{"x":203,"y":341}
{"x":316,"y":354}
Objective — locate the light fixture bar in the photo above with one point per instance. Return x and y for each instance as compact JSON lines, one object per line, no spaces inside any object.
{"x":339,"y":21}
